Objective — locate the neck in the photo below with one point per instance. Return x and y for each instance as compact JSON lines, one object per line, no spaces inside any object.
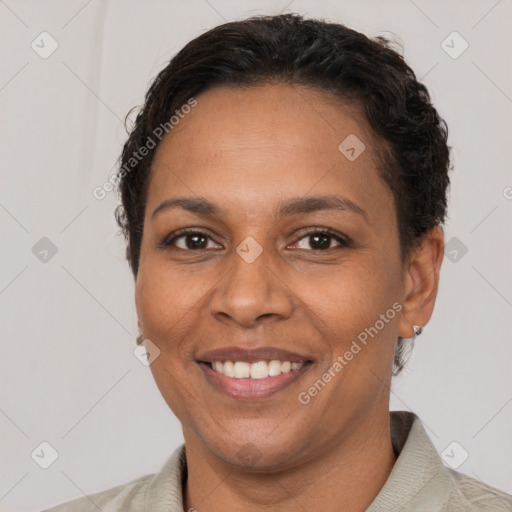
{"x":347,"y":476}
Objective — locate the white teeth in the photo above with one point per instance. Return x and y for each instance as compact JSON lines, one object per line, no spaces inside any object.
{"x":274,"y":368}
{"x":242,"y":370}
{"x":258,"y":370}
{"x":286,"y":366}
{"x":228,"y":369}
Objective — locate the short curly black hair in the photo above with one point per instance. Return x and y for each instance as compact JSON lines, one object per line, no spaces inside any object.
{"x":291,"y":49}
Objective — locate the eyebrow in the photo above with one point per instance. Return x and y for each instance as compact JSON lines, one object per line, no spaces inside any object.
{"x":293,"y":206}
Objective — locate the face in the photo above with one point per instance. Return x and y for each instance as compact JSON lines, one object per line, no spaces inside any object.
{"x":253,"y":261}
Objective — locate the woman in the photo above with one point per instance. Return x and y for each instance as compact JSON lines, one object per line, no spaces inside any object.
{"x":283,"y":195}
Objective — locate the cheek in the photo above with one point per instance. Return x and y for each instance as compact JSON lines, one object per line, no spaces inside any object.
{"x":359,"y":304}
{"x":348,"y":314}
{"x":165,"y":292}
{"x":342,"y":306}
{"x":161,"y":303}
{"x":171,"y":302}
{"x":165,"y":306}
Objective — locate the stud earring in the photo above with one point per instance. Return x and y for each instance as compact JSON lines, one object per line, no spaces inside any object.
{"x":417,"y":330}
{"x":139,"y":339}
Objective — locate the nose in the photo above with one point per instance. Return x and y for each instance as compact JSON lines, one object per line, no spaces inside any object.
{"x":251,"y":292}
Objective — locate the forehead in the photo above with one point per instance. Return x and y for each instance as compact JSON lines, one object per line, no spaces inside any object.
{"x":279,"y":116}
{"x":251,"y":145}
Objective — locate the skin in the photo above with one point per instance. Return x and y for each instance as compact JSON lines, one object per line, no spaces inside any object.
{"x":247,"y":150}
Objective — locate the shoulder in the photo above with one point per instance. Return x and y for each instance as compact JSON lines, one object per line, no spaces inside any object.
{"x":469,"y":494}
{"x":126,"y":498}
{"x":160,"y":491}
{"x":420,"y":481}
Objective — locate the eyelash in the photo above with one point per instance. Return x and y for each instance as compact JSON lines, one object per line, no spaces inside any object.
{"x":343,"y":240}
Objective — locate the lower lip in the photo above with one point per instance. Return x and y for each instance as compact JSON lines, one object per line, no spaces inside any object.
{"x":251,"y":388}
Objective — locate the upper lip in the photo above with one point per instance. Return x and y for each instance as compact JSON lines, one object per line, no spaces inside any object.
{"x":250,"y":355}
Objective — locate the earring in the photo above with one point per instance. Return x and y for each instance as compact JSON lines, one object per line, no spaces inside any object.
{"x":417,"y":330}
{"x":139,"y":339}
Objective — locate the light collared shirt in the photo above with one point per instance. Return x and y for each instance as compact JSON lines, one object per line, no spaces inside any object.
{"x":419,"y":482}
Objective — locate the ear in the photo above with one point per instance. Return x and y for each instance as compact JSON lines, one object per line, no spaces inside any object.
{"x":137,"y":312}
{"x":422,"y":268}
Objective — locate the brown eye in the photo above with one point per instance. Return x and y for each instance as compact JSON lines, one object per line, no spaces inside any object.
{"x":187,"y":240}
{"x":195,"y":241}
{"x":321,"y":240}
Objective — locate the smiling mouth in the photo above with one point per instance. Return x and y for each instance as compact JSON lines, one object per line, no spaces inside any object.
{"x":257,"y":380}
{"x":254,"y":371}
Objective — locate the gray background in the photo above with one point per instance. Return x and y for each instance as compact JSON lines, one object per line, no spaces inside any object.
{"x":68,"y":373}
